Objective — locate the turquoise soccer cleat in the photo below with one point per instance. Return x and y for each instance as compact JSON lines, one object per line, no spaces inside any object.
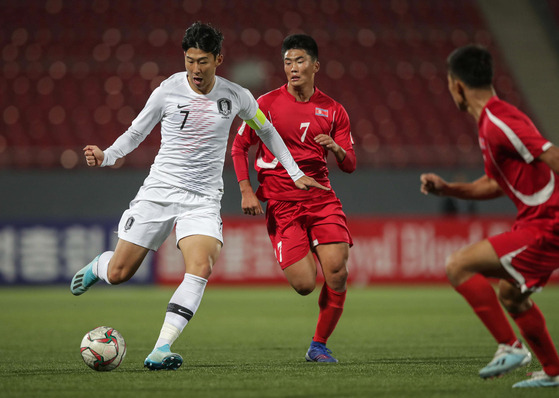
{"x":506,"y":358}
{"x":319,"y":353}
{"x":84,"y":278}
{"x":162,"y":358}
{"x":539,"y":379}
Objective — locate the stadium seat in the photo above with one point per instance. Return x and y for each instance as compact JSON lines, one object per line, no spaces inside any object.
{"x":83,"y":72}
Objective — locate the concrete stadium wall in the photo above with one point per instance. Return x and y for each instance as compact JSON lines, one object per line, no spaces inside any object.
{"x":105,"y":193}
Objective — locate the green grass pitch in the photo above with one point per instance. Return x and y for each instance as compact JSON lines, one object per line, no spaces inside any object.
{"x":392,"y":341}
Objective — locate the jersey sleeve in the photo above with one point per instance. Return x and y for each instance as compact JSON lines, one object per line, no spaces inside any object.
{"x":139,"y":129}
{"x":518,"y":136}
{"x":244,"y":139}
{"x":532,"y":141}
{"x":342,"y":136}
{"x":247,"y":105}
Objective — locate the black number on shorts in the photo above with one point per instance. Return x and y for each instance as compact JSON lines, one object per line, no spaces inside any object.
{"x":185,"y":117}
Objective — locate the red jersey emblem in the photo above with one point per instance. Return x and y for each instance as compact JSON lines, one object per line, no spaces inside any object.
{"x":321,"y":112}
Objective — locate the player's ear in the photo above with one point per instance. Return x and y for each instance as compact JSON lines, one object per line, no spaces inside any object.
{"x":316,"y":66}
{"x":219,"y":59}
{"x":460,"y":88}
{"x":456,"y":85}
{"x":451,"y":82}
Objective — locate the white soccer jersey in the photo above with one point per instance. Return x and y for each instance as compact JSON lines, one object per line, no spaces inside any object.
{"x":194,"y":132}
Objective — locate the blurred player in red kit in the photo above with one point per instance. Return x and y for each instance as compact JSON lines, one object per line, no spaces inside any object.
{"x":302,"y":225}
{"x":523,"y":165}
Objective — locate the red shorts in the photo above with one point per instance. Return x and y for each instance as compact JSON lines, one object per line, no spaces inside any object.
{"x":296,"y":227}
{"x":529,"y":254}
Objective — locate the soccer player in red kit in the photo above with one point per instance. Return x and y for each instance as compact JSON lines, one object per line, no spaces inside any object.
{"x":523,"y":165}
{"x":301,"y":225}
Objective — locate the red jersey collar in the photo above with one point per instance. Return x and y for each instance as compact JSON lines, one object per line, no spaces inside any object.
{"x":284,"y":90}
{"x":491,"y":101}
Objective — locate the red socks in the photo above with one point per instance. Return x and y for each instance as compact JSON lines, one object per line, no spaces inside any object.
{"x":479,"y":293}
{"x":532,"y":327}
{"x":331,"y":304}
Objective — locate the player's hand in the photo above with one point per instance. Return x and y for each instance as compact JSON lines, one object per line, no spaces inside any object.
{"x":327,"y":142}
{"x":307,"y":182}
{"x":251,"y":205}
{"x":93,"y":155}
{"x":432,"y":183}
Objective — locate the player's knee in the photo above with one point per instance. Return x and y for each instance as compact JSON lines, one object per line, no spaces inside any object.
{"x":514,"y":303}
{"x":304,"y":291}
{"x":453,"y":268}
{"x":202,"y":269}
{"x":117,"y":277}
{"x":514,"y":306}
{"x":118,"y":274}
{"x":508,"y":304}
{"x":304,"y":288}
{"x":337,"y":278}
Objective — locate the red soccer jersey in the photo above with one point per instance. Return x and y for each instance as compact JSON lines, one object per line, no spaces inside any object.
{"x":297,"y":123}
{"x":510,"y":144}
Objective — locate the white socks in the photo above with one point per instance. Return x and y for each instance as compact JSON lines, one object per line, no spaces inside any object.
{"x":182,"y":307}
{"x":102,"y":267}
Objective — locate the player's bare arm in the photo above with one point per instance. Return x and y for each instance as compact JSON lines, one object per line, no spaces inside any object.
{"x":249,"y":202}
{"x":327,"y":142}
{"x":93,"y":155}
{"x":551,"y":158}
{"x":480,"y":189}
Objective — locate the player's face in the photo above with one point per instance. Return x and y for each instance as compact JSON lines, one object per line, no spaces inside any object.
{"x":299,"y":68}
{"x":201,"y":67}
{"x":457,"y":92}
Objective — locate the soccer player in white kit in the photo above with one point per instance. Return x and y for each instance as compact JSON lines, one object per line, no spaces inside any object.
{"x":184,"y":186}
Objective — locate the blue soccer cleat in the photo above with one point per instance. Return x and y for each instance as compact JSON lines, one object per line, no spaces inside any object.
{"x":507,"y":358}
{"x":84,"y":278}
{"x":319,"y":353}
{"x":539,"y":379}
{"x":162,"y":358}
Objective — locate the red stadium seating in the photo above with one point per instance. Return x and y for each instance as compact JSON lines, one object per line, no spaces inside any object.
{"x":76,"y":74}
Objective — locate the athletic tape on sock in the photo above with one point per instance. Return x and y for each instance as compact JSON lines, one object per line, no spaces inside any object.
{"x":180,"y":310}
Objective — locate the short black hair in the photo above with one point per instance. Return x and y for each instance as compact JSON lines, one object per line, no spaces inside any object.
{"x":473,"y":65}
{"x":204,"y":37}
{"x":300,"y":42}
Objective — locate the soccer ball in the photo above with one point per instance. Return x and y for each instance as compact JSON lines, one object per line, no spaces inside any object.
{"x":103,"y":348}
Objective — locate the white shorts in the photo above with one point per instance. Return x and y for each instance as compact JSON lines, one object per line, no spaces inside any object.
{"x":158,"y":207}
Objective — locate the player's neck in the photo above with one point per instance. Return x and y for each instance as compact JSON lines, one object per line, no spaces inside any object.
{"x":301,"y":94}
{"x":202,"y":90}
{"x":477,"y":99}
